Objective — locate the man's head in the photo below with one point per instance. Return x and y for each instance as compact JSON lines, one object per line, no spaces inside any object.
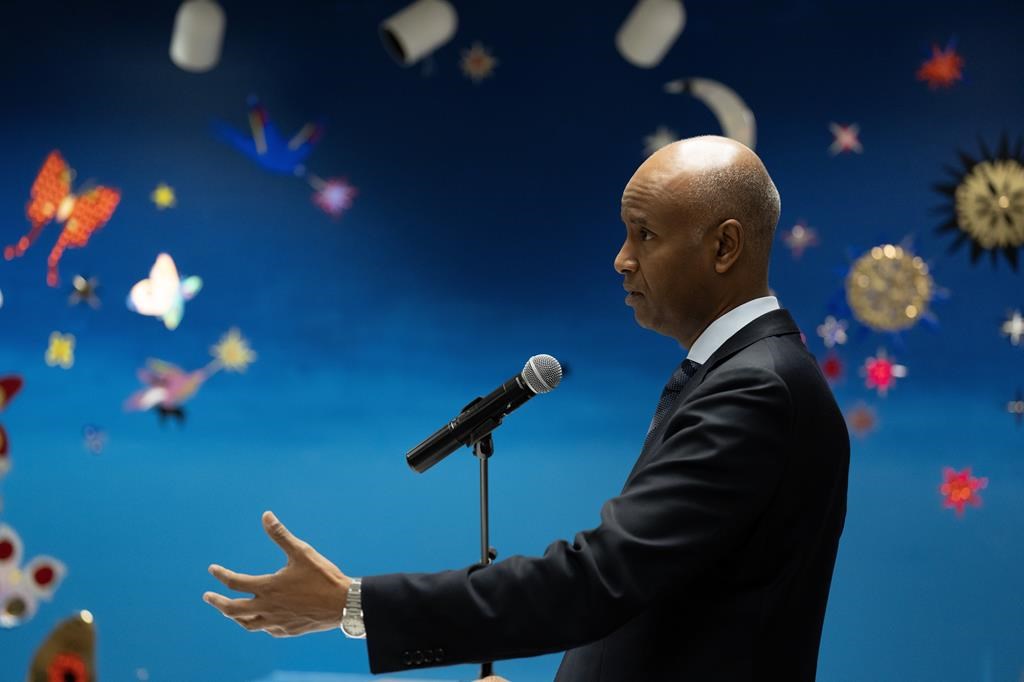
{"x":700,"y":217}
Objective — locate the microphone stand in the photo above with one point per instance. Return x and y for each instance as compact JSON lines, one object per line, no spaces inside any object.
{"x":482,"y":450}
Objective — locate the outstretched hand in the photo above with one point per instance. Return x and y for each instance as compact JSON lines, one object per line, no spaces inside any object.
{"x":306,"y":595}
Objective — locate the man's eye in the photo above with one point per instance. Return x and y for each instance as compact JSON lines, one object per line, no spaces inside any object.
{"x":645,"y":234}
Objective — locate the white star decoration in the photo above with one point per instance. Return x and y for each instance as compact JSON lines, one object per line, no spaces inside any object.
{"x":832,"y":331}
{"x":658,"y":139}
{"x":1014,"y":327}
{"x":799,"y":238}
{"x":846,"y":138}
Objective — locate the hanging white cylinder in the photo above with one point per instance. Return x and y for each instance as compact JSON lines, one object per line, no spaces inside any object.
{"x":418,"y":29}
{"x":198,"y":35}
{"x":649,"y":31}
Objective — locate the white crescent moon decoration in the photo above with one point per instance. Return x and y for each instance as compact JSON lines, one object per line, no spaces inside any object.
{"x":736,"y":119}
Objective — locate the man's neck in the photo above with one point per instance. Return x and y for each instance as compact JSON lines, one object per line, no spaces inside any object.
{"x":731,"y":303}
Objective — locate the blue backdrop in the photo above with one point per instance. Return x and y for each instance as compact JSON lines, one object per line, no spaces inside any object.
{"x":483,"y":232}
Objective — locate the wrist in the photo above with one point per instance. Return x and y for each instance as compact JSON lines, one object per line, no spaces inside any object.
{"x":352,"y":613}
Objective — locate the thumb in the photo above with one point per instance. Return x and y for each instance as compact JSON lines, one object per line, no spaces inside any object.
{"x":291,"y":545}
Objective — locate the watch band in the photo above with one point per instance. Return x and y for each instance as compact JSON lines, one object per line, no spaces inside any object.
{"x":352,"y":615}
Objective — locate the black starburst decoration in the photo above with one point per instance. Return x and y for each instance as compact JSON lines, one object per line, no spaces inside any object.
{"x":987,"y":202}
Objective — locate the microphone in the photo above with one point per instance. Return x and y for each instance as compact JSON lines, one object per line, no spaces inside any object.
{"x":477,"y":419}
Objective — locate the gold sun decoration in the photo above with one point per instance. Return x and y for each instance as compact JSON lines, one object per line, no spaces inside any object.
{"x":988,"y":202}
{"x":232,"y":352}
{"x":889,"y":288}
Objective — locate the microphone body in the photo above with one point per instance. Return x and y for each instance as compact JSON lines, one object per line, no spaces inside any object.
{"x":541,"y":374}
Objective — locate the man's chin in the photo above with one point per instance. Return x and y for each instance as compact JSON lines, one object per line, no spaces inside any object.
{"x":642,"y":320}
{"x":645,"y":322}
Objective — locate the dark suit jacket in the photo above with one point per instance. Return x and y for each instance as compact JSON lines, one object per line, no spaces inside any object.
{"x":713,"y":563}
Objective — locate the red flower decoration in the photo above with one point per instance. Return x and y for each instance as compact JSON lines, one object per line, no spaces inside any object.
{"x":942,"y":69}
{"x":832,"y":368}
{"x":960,"y":489}
{"x":881,"y":373}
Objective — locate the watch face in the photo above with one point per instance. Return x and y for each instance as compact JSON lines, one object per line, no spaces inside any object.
{"x":352,"y":627}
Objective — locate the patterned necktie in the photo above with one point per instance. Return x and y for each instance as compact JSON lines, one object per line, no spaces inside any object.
{"x":675,"y":384}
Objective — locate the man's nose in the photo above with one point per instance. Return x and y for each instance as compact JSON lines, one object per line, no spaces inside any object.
{"x":624,"y":260}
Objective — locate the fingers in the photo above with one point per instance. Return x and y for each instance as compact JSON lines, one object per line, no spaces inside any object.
{"x":239,"y":582}
{"x":232,"y":608}
{"x":291,"y":545}
{"x":242,"y":611}
{"x":251,"y":623}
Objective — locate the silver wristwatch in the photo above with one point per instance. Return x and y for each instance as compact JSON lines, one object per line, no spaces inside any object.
{"x":352,"y":615}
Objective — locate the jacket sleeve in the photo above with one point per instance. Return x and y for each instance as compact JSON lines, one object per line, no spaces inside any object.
{"x":687,"y":506}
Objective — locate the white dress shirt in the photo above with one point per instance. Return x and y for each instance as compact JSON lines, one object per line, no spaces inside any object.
{"x":722,"y":329}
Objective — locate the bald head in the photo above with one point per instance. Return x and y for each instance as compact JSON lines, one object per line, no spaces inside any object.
{"x":713,"y":179}
{"x":700,"y":215}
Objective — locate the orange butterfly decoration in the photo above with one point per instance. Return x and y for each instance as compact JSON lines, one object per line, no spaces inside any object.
{"x":51,"y":199}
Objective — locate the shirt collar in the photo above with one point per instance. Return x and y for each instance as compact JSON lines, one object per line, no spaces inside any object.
{"x":719,"y":331}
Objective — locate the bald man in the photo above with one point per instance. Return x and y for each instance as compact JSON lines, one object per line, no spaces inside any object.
{"x":715,"y":560}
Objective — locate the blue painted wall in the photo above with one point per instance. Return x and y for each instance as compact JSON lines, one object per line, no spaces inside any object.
{"x":483,"y":233}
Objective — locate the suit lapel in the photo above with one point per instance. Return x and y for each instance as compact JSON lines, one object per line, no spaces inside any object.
{"x":775,"y":323}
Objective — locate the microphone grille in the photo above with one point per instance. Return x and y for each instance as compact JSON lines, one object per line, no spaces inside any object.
{"x":542,"y":373}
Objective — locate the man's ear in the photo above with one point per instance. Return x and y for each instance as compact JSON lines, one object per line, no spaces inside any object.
{"x":729,"y":240}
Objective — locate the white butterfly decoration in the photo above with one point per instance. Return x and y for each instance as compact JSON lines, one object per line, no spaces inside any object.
{"x":163,"y":293}
{"x":22,"y":588}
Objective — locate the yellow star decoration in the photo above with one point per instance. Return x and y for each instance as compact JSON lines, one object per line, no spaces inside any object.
{"x":163,"y":196}
{"x":477,"y":62}
{"x":61,"y":350}
{"x":232,"y":352}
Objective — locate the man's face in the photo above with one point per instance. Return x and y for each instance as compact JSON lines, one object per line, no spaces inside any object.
{"x":665,"y":263}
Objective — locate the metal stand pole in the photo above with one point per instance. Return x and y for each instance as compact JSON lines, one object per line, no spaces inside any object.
{"x":482,"y":450}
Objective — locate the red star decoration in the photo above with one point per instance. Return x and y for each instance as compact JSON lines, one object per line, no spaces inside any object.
{"x":832,"y":367}
{"x":960,"y":488}
{"x":881,"y":373}
{"x":862,"y":420}
{"x":942,"y":69}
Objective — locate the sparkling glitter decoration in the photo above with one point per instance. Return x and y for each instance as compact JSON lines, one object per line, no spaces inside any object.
{"x":889,"y":288}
